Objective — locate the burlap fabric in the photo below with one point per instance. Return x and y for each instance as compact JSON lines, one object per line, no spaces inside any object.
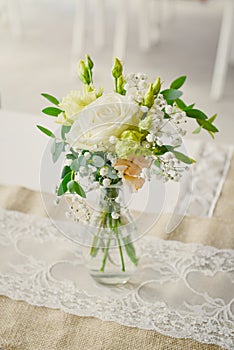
{"x":27,"y":327}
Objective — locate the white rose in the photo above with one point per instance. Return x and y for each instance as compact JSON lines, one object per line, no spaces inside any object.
{"x":108,"y":116}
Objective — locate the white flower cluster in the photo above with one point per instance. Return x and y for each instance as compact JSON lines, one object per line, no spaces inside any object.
{"x":78,"y":210}
{"x":170,"y":168}
{"x":136,"y":86}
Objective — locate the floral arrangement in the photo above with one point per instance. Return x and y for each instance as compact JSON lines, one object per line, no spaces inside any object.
{"x":127,"y":136}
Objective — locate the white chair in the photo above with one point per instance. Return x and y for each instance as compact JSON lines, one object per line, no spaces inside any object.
{"x":80,"y":25}
{"x":223,"y":56}
{"x":147,"y":11}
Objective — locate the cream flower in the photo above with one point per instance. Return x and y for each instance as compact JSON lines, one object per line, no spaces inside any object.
{"x":108,"y":116}
{"x":131,"y":170}
{"x":72,"y":104}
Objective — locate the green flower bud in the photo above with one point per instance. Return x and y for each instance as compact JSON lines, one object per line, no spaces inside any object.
{"x":149,"y":97}
{"x":157,"y":86}
{"x":100,"y":92}
{"x":126,"y":148}
{"x":146,"y":123}
{"x":89,"y":62}
{"x":131,"y":135}
{"x":83,"y":72}
{"x":120,"y":85}
{"x":117,"y":69}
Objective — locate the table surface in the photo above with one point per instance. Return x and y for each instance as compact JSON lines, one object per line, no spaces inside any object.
{"x":45,"y":328}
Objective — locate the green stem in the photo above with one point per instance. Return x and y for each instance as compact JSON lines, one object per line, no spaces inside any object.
{"x":119,"y":244}
{"x":93,"y":248}
{"x":105,"y":255}
{"x":116,"y":84}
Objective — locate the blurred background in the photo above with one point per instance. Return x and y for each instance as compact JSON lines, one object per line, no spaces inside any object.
{"x":42,"y":41}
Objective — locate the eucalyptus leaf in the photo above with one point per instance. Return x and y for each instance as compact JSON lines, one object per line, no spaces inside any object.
{"x":98,"y":161}
{"x":177,"y":83}
{"x":46,"y":131}
{"x":195,"y":113}
{"x":64,"y":130}
{"x":56,"y":149}
{"x":52,"y":111}
{"x":112,"y":173}
{"x":51,"y":98}
{"x":171,"y":94}
{"x":75,"y":165}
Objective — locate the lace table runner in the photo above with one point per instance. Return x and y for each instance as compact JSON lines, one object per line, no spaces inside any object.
{"x":181,"y":290}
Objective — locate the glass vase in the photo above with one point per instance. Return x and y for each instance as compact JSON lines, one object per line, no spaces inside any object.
{"x":111,"y":256}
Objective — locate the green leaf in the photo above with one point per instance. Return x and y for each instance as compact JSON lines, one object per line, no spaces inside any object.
{"x":52,"y":111}
{"x":65,"y":171}
{"x":195,"y":113}
{"x":51,"y":98}
{"x":74,"y":187}
{"x":56,"y":149}
{"x":98,"y":161}
{"x":77,"y":163}
{"x":70,"y":156}
{"x":212,"y":119}
{"x":130,"y":249}
{"x":64,"y":130}
{"x":207,"y":125}
{"x":180,"y":104}
{"x":63,"y":185}
{"x":190,"y":107}
{"x":46,"y":131}
{"x":183,"y":158}
{"x":171,"y":94}
{"x":176,"y":84}
{"x":157,"y":163}
{"x":159,"y":151}
{"x":166,"y":116}
{"x":211,"y":134}
{"x":197,"y":130}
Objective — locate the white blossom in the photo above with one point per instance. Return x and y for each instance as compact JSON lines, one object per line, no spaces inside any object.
{"x":106,"y":182}
{"x":112,"y":139}
{"x":168,"y":109}
{"x":104,"y":171}
{"x":115,"y":215}
{"x":150,"y":138}
{"x":82,"y":170}
{"x":87,"y":155}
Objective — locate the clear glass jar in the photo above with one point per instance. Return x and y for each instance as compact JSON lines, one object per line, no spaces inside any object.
{"x":111,"y":256}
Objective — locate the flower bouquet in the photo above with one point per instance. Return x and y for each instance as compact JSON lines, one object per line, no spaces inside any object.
{"x":118,"y":139}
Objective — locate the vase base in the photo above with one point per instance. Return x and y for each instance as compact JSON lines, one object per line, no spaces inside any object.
{"x":110,"y":278}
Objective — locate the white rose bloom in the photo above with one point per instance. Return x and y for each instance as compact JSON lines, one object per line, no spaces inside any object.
{"x":108,"y":116}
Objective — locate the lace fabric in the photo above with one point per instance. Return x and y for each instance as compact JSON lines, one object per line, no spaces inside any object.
{"x":202,"y":186}
{"x":181,"y":290}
